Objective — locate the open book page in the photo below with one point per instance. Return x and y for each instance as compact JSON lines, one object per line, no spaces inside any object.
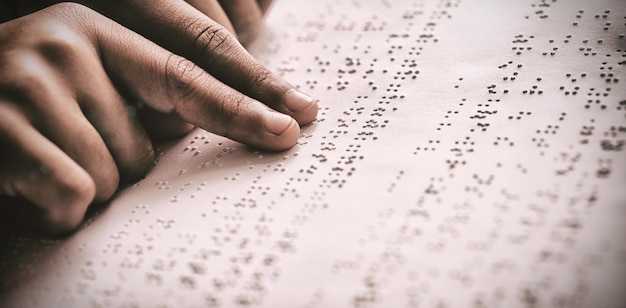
{"x":468,"y":153}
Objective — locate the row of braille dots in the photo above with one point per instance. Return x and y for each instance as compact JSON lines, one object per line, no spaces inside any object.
{"x":328,"y":145}
{"x":586,"y":50}
{"x":534,"y":89}
{"x":543,"y":5}
{"x":287,"y":245}
{"x":394,"y":183}
{"x":408,"y":234}
{"x":604,"y":168}
{"x":353,"y":64}
{"x":194,"y":147}
{"x":229,"y":234}
{"x":541,"y":142}
{"x":431,"y":27}
{"x":344,"y":165}
{"x":530,"y":295}
{"x":192,"y":271}
{"x":610,"y":77}
{"x":482,"y":115}
{"x":445,"y":4}
{"x":351,"y":67}
{"x":605,"y":15}
{"x":245,"y":202}
{"x":565,"y":229}
{"x":520,"y":44}
{"x":353,"y":113}
{"x":606,"y":70}
{"x":369,"y":296}
{"x":514,"y":239}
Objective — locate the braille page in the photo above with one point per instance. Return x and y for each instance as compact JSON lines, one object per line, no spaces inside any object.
{"x":467,"y":153}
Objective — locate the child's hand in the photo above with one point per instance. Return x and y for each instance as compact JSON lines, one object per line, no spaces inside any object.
{"x":69,"y":82}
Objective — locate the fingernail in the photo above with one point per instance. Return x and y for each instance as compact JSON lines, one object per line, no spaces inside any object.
{"x":297,"y":101}
{"x":277,"y":123}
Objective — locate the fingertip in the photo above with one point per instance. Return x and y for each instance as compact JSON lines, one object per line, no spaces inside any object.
{"x":277,"y":123}
{"x":54,"y":208}
{"x":302,"y":106}
{"x":308,"y":115}
{"x":282,"y":132}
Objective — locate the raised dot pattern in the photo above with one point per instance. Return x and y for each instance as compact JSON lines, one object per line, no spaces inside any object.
{"x":466,"y":153}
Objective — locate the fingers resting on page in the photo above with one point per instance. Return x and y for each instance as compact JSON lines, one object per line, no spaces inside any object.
{"x":81,"y":94}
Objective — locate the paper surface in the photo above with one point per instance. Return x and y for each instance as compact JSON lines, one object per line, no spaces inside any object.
{"x":468,"y":153}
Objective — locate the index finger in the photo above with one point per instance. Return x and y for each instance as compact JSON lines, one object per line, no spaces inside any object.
{"x":179,"y":27}
{"x":172,"y":84}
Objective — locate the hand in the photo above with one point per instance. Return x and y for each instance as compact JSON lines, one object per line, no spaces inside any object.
{"x":185,"y":30}
{"x":240,"y":17}
{"x":182,"y":29}
{"x":66,"y":137}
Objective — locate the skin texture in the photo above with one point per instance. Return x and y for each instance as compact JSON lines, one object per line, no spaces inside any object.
{"x":81,"y":95}
{"x":240,"y":17}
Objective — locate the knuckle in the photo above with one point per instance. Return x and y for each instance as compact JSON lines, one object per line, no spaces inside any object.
{"x":210,"y":40}
{"x":58,"y":44}
{"x":28,"y":64}
{"x":27,"y":77}
{"x":76,"y":189}
{"x":181,"y":78}
{"x":229,"y":111}
{"x":75,"y":193}
{"x":260,"y":79}
{"x":59,"y":29}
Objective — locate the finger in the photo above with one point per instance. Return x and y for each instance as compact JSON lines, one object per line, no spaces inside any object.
{"x":174,"y":85}
{"x":76,"y":68}
{"x":213,"y":10}
{"x":115,"y":121}
{"x":264,"y":5}
{"x":209,"y":45}
{"x":160,"y":126}
{"x":52,"y":109}
{"x":246,"y":16}
{"x":57,"y":189}
{"x":120,"y":129}
{"x":193,"y":95}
